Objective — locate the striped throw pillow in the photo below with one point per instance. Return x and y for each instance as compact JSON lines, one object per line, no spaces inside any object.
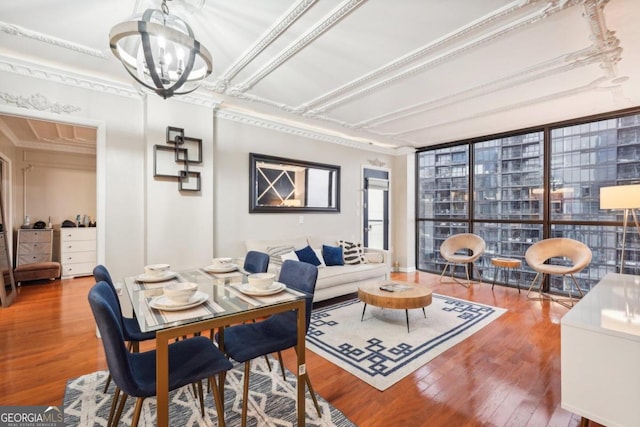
{"x":276,"y":252}
{"x":352,"y":252}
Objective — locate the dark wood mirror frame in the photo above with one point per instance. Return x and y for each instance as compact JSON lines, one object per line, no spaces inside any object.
{"x":278,"y":184}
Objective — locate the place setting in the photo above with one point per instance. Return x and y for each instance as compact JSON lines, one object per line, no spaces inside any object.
{"x":180,"y":301}
{"x":221,"y":265}
{"x":155,"y":273}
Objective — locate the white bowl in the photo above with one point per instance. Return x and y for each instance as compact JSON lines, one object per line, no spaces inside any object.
{"x":156,"y":270}
{"x":261,"y":280}
{"x":180,"y":292}
{"x":222,"y":261}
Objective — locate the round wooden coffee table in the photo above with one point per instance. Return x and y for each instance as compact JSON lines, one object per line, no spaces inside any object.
{"x":404,"y":296}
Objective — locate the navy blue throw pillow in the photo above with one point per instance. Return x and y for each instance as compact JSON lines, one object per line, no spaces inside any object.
{"x":307,"y":255}
{"x":332,"y":255}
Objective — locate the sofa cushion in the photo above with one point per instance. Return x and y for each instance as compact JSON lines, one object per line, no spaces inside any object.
{"x":307,"y":255}
{"x":332,"y":255}
{"x":374,"y":257}
{"x":353,"y":253}
{"x":341,"y":274}
{"x":317,"y":242}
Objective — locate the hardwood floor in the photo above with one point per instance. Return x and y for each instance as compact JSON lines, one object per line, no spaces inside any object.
{"x":507,"y":374}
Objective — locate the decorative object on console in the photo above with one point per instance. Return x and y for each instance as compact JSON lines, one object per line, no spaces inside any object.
{"x":158,"y":49}
{"x":173,"y":160}
{"x":627,"y":198}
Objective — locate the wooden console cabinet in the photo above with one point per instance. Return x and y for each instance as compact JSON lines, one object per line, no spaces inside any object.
{"x":76,"y":251}
{"x":34,"y":245}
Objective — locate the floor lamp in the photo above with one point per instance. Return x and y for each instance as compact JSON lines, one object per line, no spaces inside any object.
{"x":627,"y":198}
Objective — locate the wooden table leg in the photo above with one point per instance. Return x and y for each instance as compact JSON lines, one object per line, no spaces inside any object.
{"x":162,"y":379}
{"x":302,"y":368}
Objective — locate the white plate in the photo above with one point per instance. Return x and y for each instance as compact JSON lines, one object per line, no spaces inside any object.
{"x":166,"y":304}
{"x":214,"y":269}
{"x":275,"y":287}
{"x":144,"y":277}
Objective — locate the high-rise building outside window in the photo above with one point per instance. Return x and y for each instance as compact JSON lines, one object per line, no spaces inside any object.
{"x":497,"y":188}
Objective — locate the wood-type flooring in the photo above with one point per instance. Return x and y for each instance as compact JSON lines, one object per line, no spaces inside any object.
{"x":507,"y":374}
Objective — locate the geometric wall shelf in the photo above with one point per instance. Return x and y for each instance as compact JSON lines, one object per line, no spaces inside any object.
{"x":173,"y":160}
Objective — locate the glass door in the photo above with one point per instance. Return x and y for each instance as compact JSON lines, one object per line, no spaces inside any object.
{"x":376,"y":209}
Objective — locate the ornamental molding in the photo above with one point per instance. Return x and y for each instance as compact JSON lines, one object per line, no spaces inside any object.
{"x":38,"y":102}
{"x":16,"y":30}
{"x":14,"y":66}
{"x":275,"y":31}
{"x":303,"y":41}
{"x":275,"y":125}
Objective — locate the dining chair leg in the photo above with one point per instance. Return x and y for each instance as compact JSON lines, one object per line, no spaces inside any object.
{"x":137,"y":412}
{"x":201,"y":398}
{"x":118,"y":414}
{"x":107,"y":383}
{"x":284,"y":377}
{"x":312,"y":393}
{"x":307,"y":380}
{"x":114,"y":404}
{"x":245,"y":391}
{"x":218,"y":399}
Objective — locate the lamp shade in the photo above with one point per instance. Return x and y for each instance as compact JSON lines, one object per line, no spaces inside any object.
{"x":620,"y":197}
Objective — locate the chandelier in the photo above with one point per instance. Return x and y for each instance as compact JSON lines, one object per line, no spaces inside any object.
{"x":159,"y":51}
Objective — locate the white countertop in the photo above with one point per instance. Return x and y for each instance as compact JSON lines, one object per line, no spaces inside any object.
{"x":611,"y":307}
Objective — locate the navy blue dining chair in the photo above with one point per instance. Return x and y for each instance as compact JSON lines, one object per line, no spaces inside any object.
{"x":248,"y":341}
{"x":256,"y":262}
{"x":130,"y":327}
{"x":190,"y":360}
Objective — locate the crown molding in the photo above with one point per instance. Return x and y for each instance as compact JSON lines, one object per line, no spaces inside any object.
{"x":272,"y":123}
{"x":16,"y":30}
{"x":29,"y":69}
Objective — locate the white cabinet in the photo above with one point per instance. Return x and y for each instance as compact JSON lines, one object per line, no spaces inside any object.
{"x":77,"y":254}
{"x":34,"y":245}
{"x":600,"y":351}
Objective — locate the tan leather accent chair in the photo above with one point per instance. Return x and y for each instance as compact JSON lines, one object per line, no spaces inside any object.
{"x":455,"y":250}
{"x":577,"y":253}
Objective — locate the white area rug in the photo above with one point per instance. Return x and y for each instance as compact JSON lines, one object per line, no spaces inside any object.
{"x":272,"y":402}
{"x":378,"y":350}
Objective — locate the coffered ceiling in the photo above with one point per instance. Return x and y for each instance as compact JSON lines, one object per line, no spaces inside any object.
{"x":382,"y":75}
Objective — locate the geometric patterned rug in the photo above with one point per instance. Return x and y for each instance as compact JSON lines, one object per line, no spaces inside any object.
{"x":271,"y":402}
{"x":379,"y":350}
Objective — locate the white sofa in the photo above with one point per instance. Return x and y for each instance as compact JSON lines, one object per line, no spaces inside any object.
{"x":333,"y":281}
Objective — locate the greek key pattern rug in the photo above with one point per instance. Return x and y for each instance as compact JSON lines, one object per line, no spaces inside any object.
{"x":379,"y":350}
{"x":271,"y":402}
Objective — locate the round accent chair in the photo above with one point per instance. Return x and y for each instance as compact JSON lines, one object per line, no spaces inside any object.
{"x":455,"y":250}
{"x":576,"y":257}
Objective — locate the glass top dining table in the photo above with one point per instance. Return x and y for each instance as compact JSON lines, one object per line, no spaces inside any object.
{"x":225,"y":300}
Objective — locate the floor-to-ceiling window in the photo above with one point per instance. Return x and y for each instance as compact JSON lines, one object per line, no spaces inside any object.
{"x":516,"y":189}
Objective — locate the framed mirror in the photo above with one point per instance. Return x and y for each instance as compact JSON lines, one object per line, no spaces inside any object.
{"x":285,"y":185}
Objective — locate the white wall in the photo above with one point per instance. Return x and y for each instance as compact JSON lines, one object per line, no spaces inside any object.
{"x":233,"y":222}
{"x":147,"y":220}
{"x":59,"y":186}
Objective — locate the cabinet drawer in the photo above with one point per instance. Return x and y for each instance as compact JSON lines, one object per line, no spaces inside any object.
{"x":34,"y":248}
{"x":73,"y":257}
{"x":77,"y":246}
{"x":79,"y":269}
{"x":70,"y":234}
{"x":33,"y":258}
{"x":34,"y":236}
